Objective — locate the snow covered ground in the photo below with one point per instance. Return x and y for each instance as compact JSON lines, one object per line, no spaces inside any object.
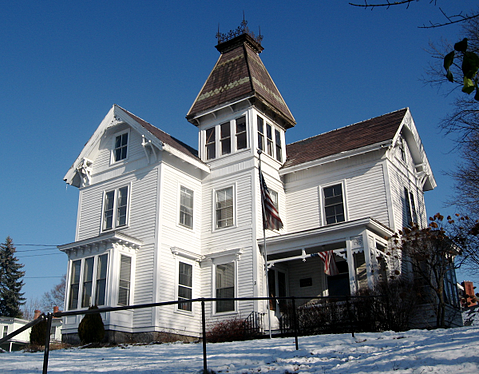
{"x":417,"y":351}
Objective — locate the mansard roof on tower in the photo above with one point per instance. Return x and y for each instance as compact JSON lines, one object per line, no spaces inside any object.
{"x":239,"y":74}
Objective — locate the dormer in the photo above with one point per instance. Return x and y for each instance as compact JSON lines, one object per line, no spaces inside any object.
{"x":239,"y":108}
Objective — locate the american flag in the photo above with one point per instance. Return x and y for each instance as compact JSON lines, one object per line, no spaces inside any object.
{"x":330,"y":267}
{"x":271,"y":218}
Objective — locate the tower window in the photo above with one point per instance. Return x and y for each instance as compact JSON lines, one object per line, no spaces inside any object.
{"x":225,"y":138}
{"x":241,"y":133}
{"x":210,"y":144}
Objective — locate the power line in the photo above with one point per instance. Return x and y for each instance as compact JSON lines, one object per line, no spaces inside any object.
{"x":36,"y":250}
{"x":48,"y":276}
{"x":36,"y":245}
{"x":45,"y":254}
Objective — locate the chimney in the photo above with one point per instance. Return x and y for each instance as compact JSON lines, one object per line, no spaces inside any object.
{"x":37,"y":314}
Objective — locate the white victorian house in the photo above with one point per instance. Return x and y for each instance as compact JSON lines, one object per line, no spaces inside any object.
{"x":160,"y":221}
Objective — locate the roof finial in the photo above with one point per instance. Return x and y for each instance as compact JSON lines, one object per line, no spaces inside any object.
{"x":240,"y":30}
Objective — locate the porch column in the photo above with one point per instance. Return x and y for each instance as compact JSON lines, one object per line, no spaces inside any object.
{"x":368,"y":245}
{"x":352,"y":271}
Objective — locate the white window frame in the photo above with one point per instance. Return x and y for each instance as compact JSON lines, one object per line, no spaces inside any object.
{"x":114,"y":224}
{"x":113,"y":159}
{"x":130,"y":281}
{"x":323,"y":202}
{"x":182,"y":211}
{"x":217,"y":141}
{"x":177,"y":293}
{"x":215,"y":219}
{"x":82,"y":280}
{"x":269,"y":146}
{"x":225,"y":261}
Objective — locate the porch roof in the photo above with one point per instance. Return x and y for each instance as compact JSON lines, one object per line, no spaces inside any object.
{"x":325,"y":235}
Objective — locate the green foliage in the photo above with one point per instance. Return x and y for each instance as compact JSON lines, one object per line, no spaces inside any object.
{"x":11,"y":297}
{"x":469,"y":67}
{"x":91,"y":328}
{"x":38,"y":333}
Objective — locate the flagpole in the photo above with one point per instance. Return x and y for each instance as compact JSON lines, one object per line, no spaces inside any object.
{"x":264,"y":254}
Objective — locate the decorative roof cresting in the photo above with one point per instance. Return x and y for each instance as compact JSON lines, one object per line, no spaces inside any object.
{"x":240,"y":30}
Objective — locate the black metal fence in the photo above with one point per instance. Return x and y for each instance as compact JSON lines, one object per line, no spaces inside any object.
{"x":297,"y":316}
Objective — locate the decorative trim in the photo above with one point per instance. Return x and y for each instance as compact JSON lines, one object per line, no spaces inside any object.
{"x":187,"y":254}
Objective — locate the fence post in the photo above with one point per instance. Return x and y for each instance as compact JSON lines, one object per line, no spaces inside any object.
{"x":295,"y":323}
{"x":203,"y":322}
{"x":47,"y":343}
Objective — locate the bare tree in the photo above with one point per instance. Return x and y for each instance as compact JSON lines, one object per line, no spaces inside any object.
{"x":54,"y":297}
{"x":428,"y":254}
{"x":448,"y":19}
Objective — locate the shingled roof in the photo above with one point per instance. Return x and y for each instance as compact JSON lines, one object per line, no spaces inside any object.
{"x":239,"y":73}
{"x":163,"y":136}
{"x":358,"y":135}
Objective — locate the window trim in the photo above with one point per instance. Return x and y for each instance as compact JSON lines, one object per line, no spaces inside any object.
{"x":130,"y":282}
{"x":114,"y":218}
{"x":215,"y":220}
{"x":217,"y":140}
{"x":177,"y":288}
{"x":81,"y":282}
{"x":183,"y":225}
{"x":226,"y":261}
{"x":113,"y":160}
{"x":323,"y":202}
{"x":269,"y":145}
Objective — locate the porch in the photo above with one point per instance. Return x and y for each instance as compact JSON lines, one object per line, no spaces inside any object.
{"x":359,"y":250}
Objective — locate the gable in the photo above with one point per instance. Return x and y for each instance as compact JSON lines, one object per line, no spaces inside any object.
{"x":148,"y":137}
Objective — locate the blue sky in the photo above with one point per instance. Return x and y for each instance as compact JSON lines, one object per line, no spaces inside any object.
{"x":64,"y":64}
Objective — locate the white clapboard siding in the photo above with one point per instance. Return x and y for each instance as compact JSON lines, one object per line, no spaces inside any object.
{"x":366,"y":195}
{"x":102,"y":155}
{"x":313,"y":268}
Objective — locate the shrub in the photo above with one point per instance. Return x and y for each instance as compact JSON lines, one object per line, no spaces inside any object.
{"x":91,"y":328}
{"x":229,"y":330}
{"x":38,"y":333}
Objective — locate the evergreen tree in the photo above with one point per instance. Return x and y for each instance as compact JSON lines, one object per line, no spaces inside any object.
{"x":11,"y":283}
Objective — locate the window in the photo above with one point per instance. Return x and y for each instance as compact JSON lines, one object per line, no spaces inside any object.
{"x":219,"y":140}
{"x":185,"y":285}
{"x":87,"y":282}
{"x":279,"y":154}
{"x":225,"y":129}
{"x":333,"y":204}
{"x":74,"y":285}
{"x":83,"y":282}
{"x":241,"y":133}
{"x":186,"y":207}
{"x":409,"y":209}
{"x":121,"y":147}
{"x":124,"y":286}
{"x":260,"y":133}
{"x":269,"y":139}
{"x":210,"y":144}
{"x":5,"y":330}
{"x":115,"y":208}
{"x":224,"y":208}
{"x":101,"y":280}
{"x":225,"y":287}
